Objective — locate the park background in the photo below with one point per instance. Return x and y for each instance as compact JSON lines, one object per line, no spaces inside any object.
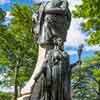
{"x":18,"y":50}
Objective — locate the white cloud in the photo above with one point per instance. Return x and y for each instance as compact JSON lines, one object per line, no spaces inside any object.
{"x":75,"y":36}
{"x":8,"y":15}
{"x":71,"y":52}
{"x":7,"y":89}
{"x":92,"y":48}
{"x":72,"y":3}
{"x":4,"y":1}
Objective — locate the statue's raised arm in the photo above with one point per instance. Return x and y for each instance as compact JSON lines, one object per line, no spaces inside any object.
{"x":54,"y":21}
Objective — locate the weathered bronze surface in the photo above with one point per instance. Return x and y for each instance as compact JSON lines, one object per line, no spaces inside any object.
{"x":52,"y":22}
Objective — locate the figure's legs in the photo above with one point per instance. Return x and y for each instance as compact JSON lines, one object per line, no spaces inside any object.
{"x":41,"y":56}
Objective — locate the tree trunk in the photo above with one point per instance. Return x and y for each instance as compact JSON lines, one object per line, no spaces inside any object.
{"x":16,"y":83}
{"x":99,"y":90}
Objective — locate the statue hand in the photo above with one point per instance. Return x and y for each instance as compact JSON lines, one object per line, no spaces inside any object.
{"x":79,"y":62}
{"x":27,"y":89}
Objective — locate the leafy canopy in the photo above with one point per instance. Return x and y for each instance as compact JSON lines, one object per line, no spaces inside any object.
{"x":89,"y":10}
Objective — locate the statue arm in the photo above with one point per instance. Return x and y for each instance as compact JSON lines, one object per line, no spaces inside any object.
{"x":75,"y":64}
{"x":40,"y":71}
{"x":38,"y":74}
{"x":35,"y":17}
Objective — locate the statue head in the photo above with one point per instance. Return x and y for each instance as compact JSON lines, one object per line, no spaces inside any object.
{"x":58,"y":42}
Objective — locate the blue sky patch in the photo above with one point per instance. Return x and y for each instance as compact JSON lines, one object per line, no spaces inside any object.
{"x":6,"y":4}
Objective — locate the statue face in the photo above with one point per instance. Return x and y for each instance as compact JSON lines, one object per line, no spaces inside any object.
{"x":59,"y":42}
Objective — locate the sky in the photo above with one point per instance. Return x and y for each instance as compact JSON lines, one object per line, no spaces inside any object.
{"x":6,"y":4}
{"x":75,"y":35}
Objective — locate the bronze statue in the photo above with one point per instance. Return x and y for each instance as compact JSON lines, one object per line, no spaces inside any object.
{"x":54,"y":71}
{"x":56,"y":74}
{"x":53,"y":21}
{"x":50,"y":24}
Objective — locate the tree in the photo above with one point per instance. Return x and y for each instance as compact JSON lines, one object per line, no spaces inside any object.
{"x":2,"y":14}
{"x":94,"y":73}
{"x":5,"y":96}
{"x":25,"y":52}
{"x":3,"y":29}
{"x":18,"y":47}
{"x":90,"y":11}
{"x":83,"y":88}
